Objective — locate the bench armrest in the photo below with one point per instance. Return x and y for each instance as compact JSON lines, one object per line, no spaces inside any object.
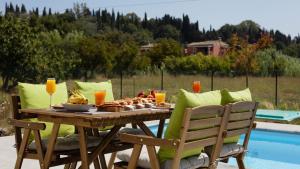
{"x":27,"y":124}
{"x":149,"y":141}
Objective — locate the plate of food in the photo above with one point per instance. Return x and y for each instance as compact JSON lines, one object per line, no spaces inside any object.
{"x":77,"y":102}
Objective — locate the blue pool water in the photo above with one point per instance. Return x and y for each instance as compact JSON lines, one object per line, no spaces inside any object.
{"x":277,"y":114}
{"x":270,"y":150}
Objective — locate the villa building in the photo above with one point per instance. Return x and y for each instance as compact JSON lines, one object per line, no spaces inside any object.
{"x":213,"y":47}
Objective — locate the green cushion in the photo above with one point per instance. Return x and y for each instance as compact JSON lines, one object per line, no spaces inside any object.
{"x":232,"y":97}
{"x":88,"y":89}
{"x":35,"y":96}
{"x":186,"y":100}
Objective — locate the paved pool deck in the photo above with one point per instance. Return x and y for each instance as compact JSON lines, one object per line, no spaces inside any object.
{"x":8,"y":153}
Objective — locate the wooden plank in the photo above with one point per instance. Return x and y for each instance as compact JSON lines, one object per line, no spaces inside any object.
{"x":200,"y":143}
{"x":21,"y":151}
{"x":39,"y":149}
{"x":83,"y":148}
{"x":153,"y":157}
{"x":135,"y":156}
{"x":240,"y":116}
{"x":243,"y":106}
{"x":27,"y":124}
{"x":148,"y":140}
{"x":51,"y":145}
{"x":238,"y":124}
{"x":160,"y":128}
{"x":207,"y":111}
{"x":111,"y":160}
{"x":145,"y":129}
{"x":236,"y":132}
{"x":203,"y":133}
{"x":203,"y":123}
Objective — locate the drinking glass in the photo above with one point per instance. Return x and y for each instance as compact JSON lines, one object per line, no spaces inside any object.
{"x":160,"y":97}
{"x":100,"y":97}
{"x":196,"y":86}
{"x":51,"y":88}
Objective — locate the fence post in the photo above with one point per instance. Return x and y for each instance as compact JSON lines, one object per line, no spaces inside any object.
{"x":212,"y":81}
{"x":162,"y":79}
{"x":133,"y":87}
{"x":121,"y":85}
{"x":276,"y":88}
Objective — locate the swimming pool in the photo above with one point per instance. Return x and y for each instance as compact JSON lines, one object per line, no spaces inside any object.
{"x":270,"y":150}
{"x":277,"y":115}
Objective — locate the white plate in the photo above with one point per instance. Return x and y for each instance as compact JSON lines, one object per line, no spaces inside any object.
{"x":77,"y":107}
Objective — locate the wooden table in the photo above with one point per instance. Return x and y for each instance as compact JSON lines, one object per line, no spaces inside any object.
{"x":81,"y":121}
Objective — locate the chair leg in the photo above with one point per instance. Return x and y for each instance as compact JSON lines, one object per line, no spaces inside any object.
{"x":73,"y":165}
{"x":112,"y":160}
{"x":102,"y":161}
{"x":134,"y":156}
{"x":96,"y":164}
{"x":39,"y":149}
{"x":23,"y":145}
{"x":240,"y":161}
{"x":67,"y":166}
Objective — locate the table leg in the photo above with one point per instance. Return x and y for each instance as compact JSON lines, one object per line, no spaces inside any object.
{"x":143,"y":126}
{"x":83,"y":148}
{"x":51,"y":145}
{"x":103,"y":144}
{"x":160,"y":128}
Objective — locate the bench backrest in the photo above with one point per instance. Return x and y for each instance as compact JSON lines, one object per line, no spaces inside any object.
{"x":202,"y":127}
{"x":241,"y":119}
{"x":16,"y":106}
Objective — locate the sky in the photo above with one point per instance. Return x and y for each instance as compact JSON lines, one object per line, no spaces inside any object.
{"x":270,"y":14}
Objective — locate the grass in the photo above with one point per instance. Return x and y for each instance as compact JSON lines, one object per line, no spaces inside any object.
{"x":263,"y":88}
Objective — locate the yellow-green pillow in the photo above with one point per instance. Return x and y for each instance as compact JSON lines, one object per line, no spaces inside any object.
{"x":34,"y":96}
{"x":232,"y":97}
{"x":238,"y":96}
{"x":88,"y":89}
{"x":186,"y":100}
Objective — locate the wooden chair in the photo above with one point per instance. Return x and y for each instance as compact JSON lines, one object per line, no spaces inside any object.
{"x":201,"y":127}
{"x":241,"y":121}
{"x":36,"y":150}
{"x":70,"y":157}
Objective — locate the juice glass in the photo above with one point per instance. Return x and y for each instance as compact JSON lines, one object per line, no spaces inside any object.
{"x":51,"y":88}
{"x":160,"y":97}
{"x":196,"y":86}
{"x":100,"y":97}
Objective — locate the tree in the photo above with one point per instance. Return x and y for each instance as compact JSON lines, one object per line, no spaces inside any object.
{"x":17,"y":47}
{"x":162,"y":49}
{"x":44,"y":11}
{"x":125,"y":60}
{"x":23,"y":9}
{"x":95,"y":55}
{"x":167,"y":31}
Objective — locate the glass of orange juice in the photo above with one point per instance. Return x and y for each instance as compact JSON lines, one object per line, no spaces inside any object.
{"x":100,"y":97}
{"x":160,"y":97}
{"x":196,"y":86}
{"x":51,"y":88}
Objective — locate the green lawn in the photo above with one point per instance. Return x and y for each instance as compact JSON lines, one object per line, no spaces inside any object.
{"x":263,"y":88}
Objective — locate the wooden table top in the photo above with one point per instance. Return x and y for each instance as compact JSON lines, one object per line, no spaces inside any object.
{"x":100,"y":119}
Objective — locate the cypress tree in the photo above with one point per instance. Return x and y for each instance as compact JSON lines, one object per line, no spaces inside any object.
{"x":49,"y":12}
{"x":44,"y":11}
{"x":17,"y":10}
{"x":145,"y":21}
{"x":23,"y":9}
{"x":113,"y":19}
{"x":11,"y":8}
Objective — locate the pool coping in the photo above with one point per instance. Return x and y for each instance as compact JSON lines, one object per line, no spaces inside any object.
{"x":288,"y":128}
